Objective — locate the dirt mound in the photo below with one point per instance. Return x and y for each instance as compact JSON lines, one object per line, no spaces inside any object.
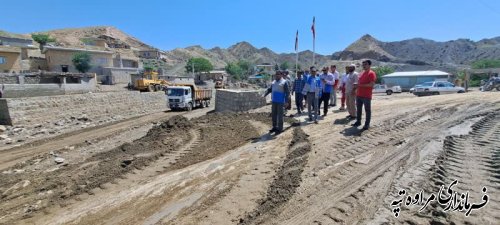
{"x":287,"y":180}
{"x":25,"y":192}
{"x":67,"y":180}
{"x":219,"y":133}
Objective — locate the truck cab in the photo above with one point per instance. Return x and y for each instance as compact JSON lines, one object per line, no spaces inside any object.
{"x":179,"y":97}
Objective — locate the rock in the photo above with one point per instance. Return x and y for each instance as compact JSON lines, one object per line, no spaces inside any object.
{"x":4,"y":137}
{"x":58,"y":160}
{"x":17,"y":130}
{"x":52,"y":153}
{"x":59,"y":123}
{"x":8,"y":141}
{"x":126,"y":162}
{"x":83,"y":117}
{"x":37,"y":125}
{"x":2,"y":128}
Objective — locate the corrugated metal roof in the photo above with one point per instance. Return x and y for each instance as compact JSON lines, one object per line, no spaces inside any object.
{"x":417,"y":73}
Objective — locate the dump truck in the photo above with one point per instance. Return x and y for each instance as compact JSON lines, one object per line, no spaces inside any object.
{"x":219,"y":84}
{"x":149,"y":82}
{"x":187,"y":97}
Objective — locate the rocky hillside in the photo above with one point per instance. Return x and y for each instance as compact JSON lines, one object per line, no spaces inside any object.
{"x":73,"y":37}
{"x":413,"y":54}
{"x":420,"y":51}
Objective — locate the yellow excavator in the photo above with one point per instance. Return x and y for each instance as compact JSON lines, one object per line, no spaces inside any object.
{"x":150,"y":82}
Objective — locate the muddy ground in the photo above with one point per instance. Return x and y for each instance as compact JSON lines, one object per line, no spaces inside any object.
{"x":226,"y":169}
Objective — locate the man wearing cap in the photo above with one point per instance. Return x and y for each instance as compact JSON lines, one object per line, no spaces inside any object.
{"x":333,"y":96}
{"x":364,"y":94}
{"x":279,"y":89}
{"x":312,"y":89}
{"x":288,"y":79}
{"x":327,"y":82}
{"x":298,"y":85}
{"x":350,"y":91}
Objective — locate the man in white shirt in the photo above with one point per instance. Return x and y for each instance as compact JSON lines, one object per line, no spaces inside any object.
{"x":350,"y":91}
{"x":333,"y":95}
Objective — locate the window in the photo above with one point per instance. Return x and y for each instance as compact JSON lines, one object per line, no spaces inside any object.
{"x":440,"y":85}
{"x":3,"y":60}
{"x":102,"y":61}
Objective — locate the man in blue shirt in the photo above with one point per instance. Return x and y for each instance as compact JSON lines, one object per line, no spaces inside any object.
{"x":327,"y":81}
{"x":312,"y":89}
{"x":298,"y":85}
{"x":280,"y":91}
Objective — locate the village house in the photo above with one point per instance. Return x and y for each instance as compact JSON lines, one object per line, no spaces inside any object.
{"x":59,"y":59}
{"x":152,"y":54}
{"x":14,"y":53}
{"x":10,"y":59}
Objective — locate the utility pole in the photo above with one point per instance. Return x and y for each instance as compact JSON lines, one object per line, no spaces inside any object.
{"x":192,"y":66}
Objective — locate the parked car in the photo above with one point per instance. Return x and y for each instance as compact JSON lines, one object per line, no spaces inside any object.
{"x":437,"y":88}
{"x":413,"y":88}
{"x":382,"y":88}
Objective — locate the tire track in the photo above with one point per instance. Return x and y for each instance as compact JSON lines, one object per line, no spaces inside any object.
{"x":349,"y":176}
{"x":472,"y":160}
{"x":287,"y":180}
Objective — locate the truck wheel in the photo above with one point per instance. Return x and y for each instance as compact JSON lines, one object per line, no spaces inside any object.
{"x":151,"y":88}
{"x":157,"y":88}
{"x":435,"y":93}
{"x":208,"y":102}
{"x":389,"y":92}
{"x":202,"y":104}
{"x":190,"y":106}
{"x":498,"y":88}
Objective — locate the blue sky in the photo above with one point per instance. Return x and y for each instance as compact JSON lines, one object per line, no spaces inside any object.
{"x":181,"y":23}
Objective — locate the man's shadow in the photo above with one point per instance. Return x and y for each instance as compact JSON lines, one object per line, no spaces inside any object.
{"x":352,"y":131}
{"x":344,"y":121}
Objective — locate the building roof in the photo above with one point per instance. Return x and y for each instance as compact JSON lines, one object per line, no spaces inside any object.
{"x":13,"y":35}
{"x":10,"y":49}
{"x":417,"y":73}
{"x":45,"y":48}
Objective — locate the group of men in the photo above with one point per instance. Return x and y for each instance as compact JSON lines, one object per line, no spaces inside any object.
{"x":321,"y":89}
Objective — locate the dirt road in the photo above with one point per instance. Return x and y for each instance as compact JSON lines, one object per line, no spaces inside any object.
{"x":225,"y":169}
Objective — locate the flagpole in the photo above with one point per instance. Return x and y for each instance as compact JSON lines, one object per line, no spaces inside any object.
{"x":314,"y":50}
{"x":313,"y":29}
{"x":297,"y":53}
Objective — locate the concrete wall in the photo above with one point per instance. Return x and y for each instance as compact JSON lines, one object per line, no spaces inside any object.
{"x":33,"y":85}
{"x":96,"y":106}
{"x":12,"y":62}
{"x":114,"y":75}
{"x":238,"y":101}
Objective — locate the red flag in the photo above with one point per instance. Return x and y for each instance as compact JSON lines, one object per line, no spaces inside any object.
{"x":297,"y":41}
{"x":312,"y":27}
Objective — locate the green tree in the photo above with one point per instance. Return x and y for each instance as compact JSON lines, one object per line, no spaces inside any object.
{"x":148,"y":67}
{"x":199,"y":64}
{"x":246,"y":66}
{"x":285,"y":65}
{"x":42,"y":39}
{"x":234,"y":70}
{"x":81,"y":61}
{"x":381,"y":71}
{"x":486,"y":63}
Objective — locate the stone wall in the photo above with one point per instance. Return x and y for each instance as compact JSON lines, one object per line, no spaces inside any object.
{"x":50,"y":110}
{"x":238,"y":101}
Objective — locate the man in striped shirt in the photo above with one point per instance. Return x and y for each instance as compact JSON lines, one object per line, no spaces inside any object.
{"x":298,"y":85}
